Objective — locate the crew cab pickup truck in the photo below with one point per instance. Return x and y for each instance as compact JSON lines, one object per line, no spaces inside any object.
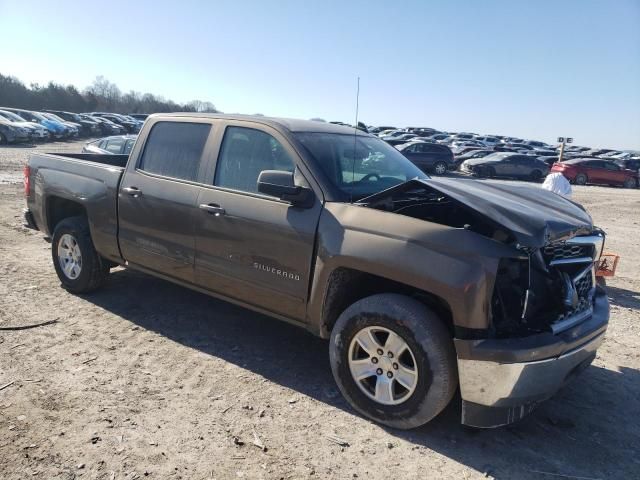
{"x":422,"y":285}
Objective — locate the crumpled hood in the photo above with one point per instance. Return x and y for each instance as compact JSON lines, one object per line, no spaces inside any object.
{"x":533,"y":215}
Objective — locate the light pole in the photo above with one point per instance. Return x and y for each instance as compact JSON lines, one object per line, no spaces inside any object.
{"x":562,"y":141}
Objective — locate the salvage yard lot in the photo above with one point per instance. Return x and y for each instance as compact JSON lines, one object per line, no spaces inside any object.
{"x":148,"y":378}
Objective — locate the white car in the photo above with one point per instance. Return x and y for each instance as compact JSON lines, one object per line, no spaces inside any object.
{"x":488,"y":141}
{"x":37,"y":131}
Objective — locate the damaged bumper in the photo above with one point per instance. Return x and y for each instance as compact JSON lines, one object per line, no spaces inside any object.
{"x":502,"y":380}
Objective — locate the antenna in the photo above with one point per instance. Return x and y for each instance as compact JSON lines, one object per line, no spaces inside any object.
{"x":355,"y":133}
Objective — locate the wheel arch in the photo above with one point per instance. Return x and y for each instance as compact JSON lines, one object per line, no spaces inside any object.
{"x":58,"y":208}
{"x":346,"y":286}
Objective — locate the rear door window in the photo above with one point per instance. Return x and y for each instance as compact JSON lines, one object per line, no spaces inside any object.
{"x":174,"y":149}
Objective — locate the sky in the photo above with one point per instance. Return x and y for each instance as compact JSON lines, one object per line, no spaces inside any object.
{"x":533,"y":69}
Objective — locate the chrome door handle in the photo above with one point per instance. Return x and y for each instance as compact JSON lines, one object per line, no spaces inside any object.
{"x":212,"y":208}
{"x":133,"y":191}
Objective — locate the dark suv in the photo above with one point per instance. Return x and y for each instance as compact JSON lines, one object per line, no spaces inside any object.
{"x":429,"y":157}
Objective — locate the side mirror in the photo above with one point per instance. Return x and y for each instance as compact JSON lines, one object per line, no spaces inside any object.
{"x":279,"y":183}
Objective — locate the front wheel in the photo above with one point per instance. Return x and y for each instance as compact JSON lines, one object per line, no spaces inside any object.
{"x":630,"y":183}
{"x":393,"y":360}
{"x":79,"y":267}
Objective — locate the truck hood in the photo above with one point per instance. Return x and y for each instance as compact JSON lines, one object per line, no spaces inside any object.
{"x":532,"y":215}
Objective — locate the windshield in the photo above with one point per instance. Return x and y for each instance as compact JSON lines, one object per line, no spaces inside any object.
{"x":375,"y":166}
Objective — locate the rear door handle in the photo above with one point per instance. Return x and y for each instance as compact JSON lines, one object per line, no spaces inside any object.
{"x":133,"y":191}
{"x":212,"y":208}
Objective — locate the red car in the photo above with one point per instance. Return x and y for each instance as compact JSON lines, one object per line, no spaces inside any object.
{"x":594,"y":170}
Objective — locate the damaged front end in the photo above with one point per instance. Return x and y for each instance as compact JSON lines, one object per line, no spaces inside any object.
{"x":552,"y":289}
{"x":546,"y":316}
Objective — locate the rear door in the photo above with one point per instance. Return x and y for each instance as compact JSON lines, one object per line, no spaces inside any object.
{"x":253,"y":247}
{"x":157,"y":197}
{"x":613,"y":174}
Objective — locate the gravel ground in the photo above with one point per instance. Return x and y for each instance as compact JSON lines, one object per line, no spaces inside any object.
{"x":145,"y":378}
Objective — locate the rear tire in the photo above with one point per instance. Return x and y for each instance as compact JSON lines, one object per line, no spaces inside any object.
{"x":3,"y":140}
{"x":581,"y":179}
{"x":420,"y":378}
{"x":79,"y":266}
{"x":630,"y":183}
{"x":535,"y":176}
{"x":440,"y":168}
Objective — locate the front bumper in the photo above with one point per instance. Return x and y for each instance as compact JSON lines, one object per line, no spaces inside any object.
{"x":502,"y":380}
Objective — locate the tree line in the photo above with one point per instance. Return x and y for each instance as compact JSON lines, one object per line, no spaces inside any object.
{"x":101,"y":96}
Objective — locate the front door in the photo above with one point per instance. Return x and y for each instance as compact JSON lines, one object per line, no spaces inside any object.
{"x":157,"y":199}
{"x":250,"y":246}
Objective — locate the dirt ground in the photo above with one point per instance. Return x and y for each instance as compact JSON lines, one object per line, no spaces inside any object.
{"x":144,"y":378}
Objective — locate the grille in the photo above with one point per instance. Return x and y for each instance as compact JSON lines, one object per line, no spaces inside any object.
{"x":560,"y":251}
{"x":584,"y":285}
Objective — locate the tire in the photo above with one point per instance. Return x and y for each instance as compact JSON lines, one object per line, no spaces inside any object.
{"x":440,"y":168}
{"x":535,"y":176}
{"x":429,"y":348}
{"x":3,"y":140}
{"x":91,"y":270}
{"x":581,"y":179}
{"x":630,"y":183}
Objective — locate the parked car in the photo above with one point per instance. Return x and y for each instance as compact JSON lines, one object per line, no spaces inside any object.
{"x":582,"y":171}
{"x":86,"y":128}
{"x":73,"y":129}
{"x":10,"y":133}
{"x":130,"y":125}
{"x":377,"y":130}
{"x":139,"y":116}
{"x":37,"y":131}
{"x":55,"y":128}
{"x":506,"y":165}
{"x":488,"y":141}
{"x":399,"y":139}
{"x":118,"y":145}
{"x":429,"y":157}
{"x":472,"y":154}
{"x":630,"y":164}
{"x":418,"y":284}
{"x":107,"y":127}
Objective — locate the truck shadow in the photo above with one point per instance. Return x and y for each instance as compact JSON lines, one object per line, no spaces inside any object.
{"x":589,"y":430}
{"x":623,"y":297}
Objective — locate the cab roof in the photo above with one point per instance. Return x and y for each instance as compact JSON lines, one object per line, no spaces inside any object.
{"x":290,"y":124}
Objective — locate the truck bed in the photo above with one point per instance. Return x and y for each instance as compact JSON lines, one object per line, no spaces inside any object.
{"x":78,"y":180}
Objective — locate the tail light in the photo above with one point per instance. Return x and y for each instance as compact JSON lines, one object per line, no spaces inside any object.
{"x":27,"y":180}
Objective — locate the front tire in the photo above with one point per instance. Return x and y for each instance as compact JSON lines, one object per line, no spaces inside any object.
{"x":415,"y":376}
{"x":630,"y":183}
{"x":79,"y":267}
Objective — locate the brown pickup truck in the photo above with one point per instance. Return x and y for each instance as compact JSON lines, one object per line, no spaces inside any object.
{"x":421,"y":285}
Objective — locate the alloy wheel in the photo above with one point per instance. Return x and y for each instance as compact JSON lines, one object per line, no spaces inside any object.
{"x":383,"y":365}
{"x":69,"y":256}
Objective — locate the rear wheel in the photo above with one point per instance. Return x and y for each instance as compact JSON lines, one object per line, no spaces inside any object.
{"x":440,"y":168}
{"x":535,"y":176}
{"x":79,"y":267}
{"x":393,"y":360}
{"x":3,"y":140}
{"x":581,"y":179}
{"x":630,"y":183}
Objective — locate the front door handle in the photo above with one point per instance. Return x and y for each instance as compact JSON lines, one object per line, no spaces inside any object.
{"x":212,"y":208}
{"x":135,"y":192}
